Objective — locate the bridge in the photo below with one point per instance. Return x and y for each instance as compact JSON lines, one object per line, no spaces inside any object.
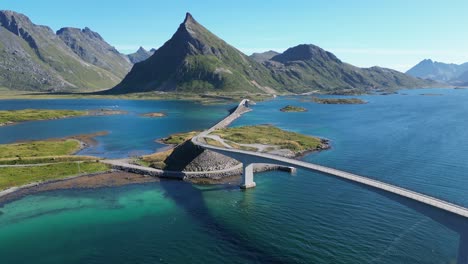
{"x":453,"y":216}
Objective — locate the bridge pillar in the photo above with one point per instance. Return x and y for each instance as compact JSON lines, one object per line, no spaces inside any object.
{"x":247,"y":176}
{"x":463,"y":249}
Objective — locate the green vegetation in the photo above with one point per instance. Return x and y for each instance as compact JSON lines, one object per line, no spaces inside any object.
{"x":291,"y":108}
{"x":13,"y":116}
{"x":338,"y":100}
{"x":156,"y":160}
{"x":207,"y":98}
{"x":36,"y":155}
{"x":269,"y":135}
{"x":196,"y":61}
{"x":40,"y":148}
{"x":45,"y":159}
{"x":17,"y":176}
{"x":179,"y":138}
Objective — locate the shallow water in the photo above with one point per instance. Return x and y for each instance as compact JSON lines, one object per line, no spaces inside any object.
{"x":418,"y":142}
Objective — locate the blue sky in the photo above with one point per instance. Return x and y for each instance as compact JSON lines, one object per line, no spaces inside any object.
{"x":390,"y":33}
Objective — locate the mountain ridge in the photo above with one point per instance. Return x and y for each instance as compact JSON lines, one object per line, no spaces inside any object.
{"x":196,"y":60}
{"x":34,"y":58}
{"x":451,"y":73}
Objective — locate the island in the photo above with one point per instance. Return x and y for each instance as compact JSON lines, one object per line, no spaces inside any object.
{"x":154,"y":114}
{"x":338,"y":100}
{"x":278,"y":142}
{"x":292,"y":108}
{"x":10,"y":117}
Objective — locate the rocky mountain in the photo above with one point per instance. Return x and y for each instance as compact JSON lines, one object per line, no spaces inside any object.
{"x":33,"y":57}
{"x":140,"y":55}
{"x":264,"y":56}
{"x":92,"y":48}
{"x":456,"y":74}
{"x":195,"y":60}
{"x":308,"y":67}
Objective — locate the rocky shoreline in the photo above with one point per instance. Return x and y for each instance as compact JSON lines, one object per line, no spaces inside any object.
{"x":88,"y":181}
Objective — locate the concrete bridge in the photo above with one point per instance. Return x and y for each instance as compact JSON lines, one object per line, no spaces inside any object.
{"x":450,"y":215}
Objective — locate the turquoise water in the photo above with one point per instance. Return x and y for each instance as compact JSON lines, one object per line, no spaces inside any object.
{"x":418,"y":142}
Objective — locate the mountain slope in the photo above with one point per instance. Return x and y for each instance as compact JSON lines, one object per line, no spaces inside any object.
{"x":140,"y":55}
{"x":33,"y":57}
{"x":263,"y":56}
{"x":308,"y":67}
{"x":92,"y":48}
{"x":195,"y":60}
{"x":439,"y":71}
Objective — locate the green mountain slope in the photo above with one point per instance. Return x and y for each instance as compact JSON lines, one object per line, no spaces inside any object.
{"x":33,"y":57}
{"x":92,"y":48}
{"x":195,"y":60}
{"x":307,"y":67}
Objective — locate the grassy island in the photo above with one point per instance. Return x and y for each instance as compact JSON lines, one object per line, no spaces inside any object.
{"x":338,"y":100}
{"x":269,"y":139}
{"x":155,"y":114}
{"x":8,"y":117}
{"x":37,"y":161}
{"x":291,"y":108}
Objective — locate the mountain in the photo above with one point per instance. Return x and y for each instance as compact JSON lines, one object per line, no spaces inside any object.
{"x":442,"y":72}
{"x":34,"y":58}
{"x":263,"y":56}
{"x":92,"y":48}
{"x":309,"y":67}
{"x":140,"y":55}
{"x":195,"y":60}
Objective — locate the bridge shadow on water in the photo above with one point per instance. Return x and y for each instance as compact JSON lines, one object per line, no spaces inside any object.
{"x":191,"y":200}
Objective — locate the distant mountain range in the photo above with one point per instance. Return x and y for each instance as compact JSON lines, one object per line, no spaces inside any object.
{"x":34,"y":58}
{"x":442,"y":72}
{"x":140,"y":55}
{"x":195,"y":60}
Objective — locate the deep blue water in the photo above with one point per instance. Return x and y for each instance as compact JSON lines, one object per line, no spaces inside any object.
{"x":418,"y":142}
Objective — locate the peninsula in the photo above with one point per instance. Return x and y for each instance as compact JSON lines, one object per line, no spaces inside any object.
{"x":10,"y":117}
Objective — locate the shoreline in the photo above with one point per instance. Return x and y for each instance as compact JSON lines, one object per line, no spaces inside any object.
{"x":98,"y":112}
{"x":111,"y":178}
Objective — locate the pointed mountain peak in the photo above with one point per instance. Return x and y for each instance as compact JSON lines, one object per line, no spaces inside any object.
{"x":189,"y":19}
{"x":141,"y":49}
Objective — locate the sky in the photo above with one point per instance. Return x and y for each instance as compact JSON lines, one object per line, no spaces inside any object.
{"x":389,"y":33}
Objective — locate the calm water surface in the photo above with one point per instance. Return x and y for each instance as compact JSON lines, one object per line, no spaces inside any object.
{"x":418,"y":142}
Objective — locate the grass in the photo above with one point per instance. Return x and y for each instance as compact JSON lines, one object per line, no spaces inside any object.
{"x":213,"y":142}
{"x":17,"y":176}
{"x":338,"y":100}
{"x":292,"y":108}
{"x":206,"y":98}
{"x":39,"y":148}
{"x":45,"y":159}
{"x":155,"y":160}
{"x":269,"y":135}
{"x":179,"y":138}
{"x":15,"y":116}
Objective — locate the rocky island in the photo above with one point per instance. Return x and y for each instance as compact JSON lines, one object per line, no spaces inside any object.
{"x":338,"y":100}
{"x":154,"y":114}
{"x":291,"y":108}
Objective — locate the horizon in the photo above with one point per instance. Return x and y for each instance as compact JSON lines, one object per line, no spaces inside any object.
{"x":392,"y":43}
